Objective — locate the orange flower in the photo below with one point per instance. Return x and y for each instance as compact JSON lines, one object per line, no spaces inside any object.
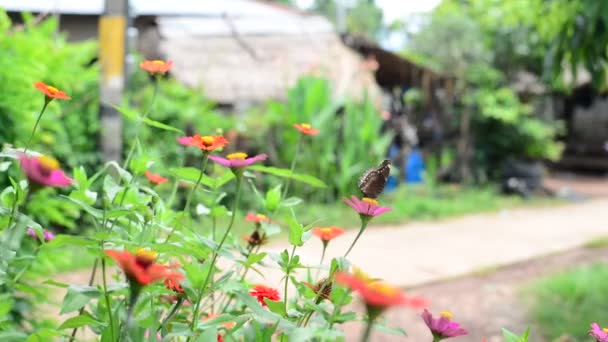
{"x":306,"y":129}
{"x":261,"y":292}
{"x":257,"y":218}
{"x":172,"y":282}
{"x":156,"y":178}
{"x":327,"y":233}
{"x":51,"y":92}
{"x":156,"y":67}
{"x":378,"y":295}
{"x":141,"y":267}
{"x":206,"y":143}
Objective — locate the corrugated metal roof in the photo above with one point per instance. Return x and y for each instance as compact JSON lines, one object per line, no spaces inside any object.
{"x":151,"y":7}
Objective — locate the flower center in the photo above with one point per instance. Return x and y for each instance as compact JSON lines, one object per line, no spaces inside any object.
{"x":48,"y":163}
{"x":326,"y":230}
{"x":383,"y":288}
{"x":306,"y":126}
{"x":446,"y":314}
{"x":52,"y":89}
{"x":605,"y":329}
{"x":237,"y":155}
{"x":158,"y":62}
{"x":261,"y":216}
{"x":145,"y":257}
{"x":370,"y":200}
{"x":208,"y":140}
{"x":359,"y":274}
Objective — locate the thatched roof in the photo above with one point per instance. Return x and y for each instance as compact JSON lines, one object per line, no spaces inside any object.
{"x":252,"y":58}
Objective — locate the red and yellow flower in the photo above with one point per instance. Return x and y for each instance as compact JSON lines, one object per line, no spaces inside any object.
{"x":207,"y":143}
{"x":141,"y":267}
{"x":306,"y":129}
{"x":257,"y":218}
{"x":51,"y":92}
{"x":156,"y":67}
{"x":327,"y":233}
{"x":262,"y":291}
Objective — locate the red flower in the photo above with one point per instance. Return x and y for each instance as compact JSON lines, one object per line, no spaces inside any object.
{"x":156,"y":178}
{"x":378,"y":295}
{"x":156,"y":67}
{"x":261,"y":292}
{"x":51,"y":92}
{"x":206,"y":143}
{"x":257,"y":218}
{"x":306,"y":129}
{"x":327,"y":233}
{"x":172,"y":282}
{"x":141,"y":267}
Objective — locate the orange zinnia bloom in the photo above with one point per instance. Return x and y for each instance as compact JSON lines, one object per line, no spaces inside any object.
{"x":51,"y":92}
{"x":261,"y":292}
{"x":378,"y":295}
{"x":156,"y":67}
{"x":206,"y":143}
{"x":257,"y":218}
{"x":141,"y":267}
{"x":306,"y":129}
{"x":327,"y":233}
{"x":156,"y":178}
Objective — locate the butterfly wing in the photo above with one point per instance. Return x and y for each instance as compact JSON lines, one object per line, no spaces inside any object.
{"x":372,"y":182}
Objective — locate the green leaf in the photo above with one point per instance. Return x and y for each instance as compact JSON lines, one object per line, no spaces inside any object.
{"x":291,"y":202}
{"x":273,"y":198}
{"x":276,"y":307}
{"x":77,"y":297}
{"x":296,"y":231}
{"x":161,"y":125}
{"x":350,"y":316}
{"x":511,"y":337}
{"x":79,"y":321}
{"x":286,"y":173}
{"x":192,"y":174}
{"x":254,"y":258}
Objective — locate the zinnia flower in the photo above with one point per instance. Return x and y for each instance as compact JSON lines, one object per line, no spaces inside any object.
{"x":257,"y":218}
{"x":50,"y":92}
{"x":206,"y":143}
{"x":156,"y":67}
{"x":442,"y":327}
{"x":377,"y":295}
{"x":306,"y":129}
{"x":322,"y":288}
{"x":46,"y":235}
{"x":600,"y":335}
{"x":156,"y":178}
{"x":44,"y":171}
{"x":140,"y":267}
{"x":366,"y":207}
{"x":255,"y":239}
{"x":327,"y":234}
{"x":172,"y":282}
{"x":237,"y":161}
{"x":261,"y":292}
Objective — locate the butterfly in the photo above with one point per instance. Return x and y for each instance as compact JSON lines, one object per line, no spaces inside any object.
{"x":373,"y":180}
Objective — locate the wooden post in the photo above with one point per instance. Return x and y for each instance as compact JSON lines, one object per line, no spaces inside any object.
{"x":112,"y":37}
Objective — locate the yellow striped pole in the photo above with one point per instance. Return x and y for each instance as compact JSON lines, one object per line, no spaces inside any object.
{"x":112,"y":36}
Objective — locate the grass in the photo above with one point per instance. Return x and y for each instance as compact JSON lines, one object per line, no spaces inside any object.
{"x":567,"y":303}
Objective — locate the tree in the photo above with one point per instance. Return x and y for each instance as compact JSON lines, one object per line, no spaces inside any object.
{"x":359,"y":16}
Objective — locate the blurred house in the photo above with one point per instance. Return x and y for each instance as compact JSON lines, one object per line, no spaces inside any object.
{"x":241,"y":52}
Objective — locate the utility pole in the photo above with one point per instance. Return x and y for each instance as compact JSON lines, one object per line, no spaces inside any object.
{"x":112,"y":43}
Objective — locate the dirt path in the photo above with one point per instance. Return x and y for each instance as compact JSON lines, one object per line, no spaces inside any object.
{"x":484,"y":303}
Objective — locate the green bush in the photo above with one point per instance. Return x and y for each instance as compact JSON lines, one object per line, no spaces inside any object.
{"x":566,"y":303}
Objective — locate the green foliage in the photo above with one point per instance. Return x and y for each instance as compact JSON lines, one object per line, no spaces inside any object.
{"x":348,"y":143}
{"x":511,"y":337}
{"x":360,"y":16}
{"x":567,"y":303}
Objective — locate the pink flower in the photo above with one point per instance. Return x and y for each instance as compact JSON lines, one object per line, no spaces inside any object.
{"x":237,"y":160}
{"x":44,"y":171}
{"x":442,"y":327}
{"x":600,"y":335}
{"x":367,"y":206}
{"x":46,"y":235}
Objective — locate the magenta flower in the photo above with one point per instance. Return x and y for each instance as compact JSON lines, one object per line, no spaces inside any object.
{"x":367,"y":206}
{"x":46,"y":235}
{"x":44,"y":171}
{"x":600,"y":335}
{"x":442,"y":327}
{"x":237,"y":160}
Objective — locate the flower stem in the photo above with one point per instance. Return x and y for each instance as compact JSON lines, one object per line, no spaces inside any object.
{"x":134,"y":295}
{"x":132,"y":150}
{"x":203,"y":166}
{"x":293,"y":250}
{"x":176,"y":307}
{"x":91,"y":279}
{"x":107,"y":297}
{"x":322,"y":258}
{"x":29,"y":141}
{"x":216,"y":252}
{"x":293,"y":166}
{"x":368,"y":331}
{"x":436,"y":338}
{"x":363,"y":226}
